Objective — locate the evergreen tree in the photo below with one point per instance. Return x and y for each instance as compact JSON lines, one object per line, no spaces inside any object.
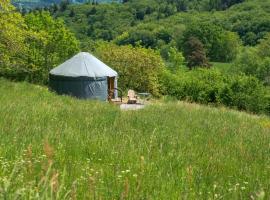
{"x":195,"y":53}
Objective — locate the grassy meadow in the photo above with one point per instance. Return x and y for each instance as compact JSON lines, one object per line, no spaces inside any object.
{"x":56,"y":147}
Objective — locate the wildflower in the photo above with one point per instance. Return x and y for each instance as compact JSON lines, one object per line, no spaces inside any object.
{"x":243,"y":188}
{"x":135,"y":175}
{"x":261,"y":194}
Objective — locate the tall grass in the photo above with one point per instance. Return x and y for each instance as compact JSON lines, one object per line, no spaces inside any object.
{"x":56,"y":147}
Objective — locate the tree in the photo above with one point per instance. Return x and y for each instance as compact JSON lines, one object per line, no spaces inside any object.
{"x":49,"y":44}
{"x":138,"y":68}
{"x":12,"y":36}
{"x":63,"y":5}
{"x":220,"y":45}
{"x":222,"y":4}
{"x":72,"y":13}
{"x":195,"y":53}
{"x":176,"y":59}
{"x":264,"y":46}
{"x":254,"y":61}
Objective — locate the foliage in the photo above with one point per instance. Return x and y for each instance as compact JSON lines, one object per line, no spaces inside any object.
{"x":176,"y":60}
{"x":51,"y":44}
{"x":138,"y":68}
{"x":221,"y":45}
{"x":33,"y":44}
{"x":165,"y":151}
{"x":264,"y":46}
{"x":12,"y":37}
{"x":195,"y":53}
{"x":213,"y":87}
{"x":255,"y":62}
{"x":103,"y":21}
{"x":160,"y":24}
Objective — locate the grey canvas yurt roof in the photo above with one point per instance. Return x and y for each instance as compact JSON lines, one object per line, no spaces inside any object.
{"x":83,"y":64}
{"x":82,"y":76}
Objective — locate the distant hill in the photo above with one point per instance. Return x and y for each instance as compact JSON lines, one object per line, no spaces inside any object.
{"x":44,"y":3}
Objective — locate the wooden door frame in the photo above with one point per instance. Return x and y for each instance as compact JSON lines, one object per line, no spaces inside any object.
{"x":111,"y":82}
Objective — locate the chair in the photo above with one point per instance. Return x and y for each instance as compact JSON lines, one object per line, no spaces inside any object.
{"x":111,"y":97}
{"x":132,"y":97}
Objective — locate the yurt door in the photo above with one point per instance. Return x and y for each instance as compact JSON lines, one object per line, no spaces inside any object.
{"x":111,"y":87}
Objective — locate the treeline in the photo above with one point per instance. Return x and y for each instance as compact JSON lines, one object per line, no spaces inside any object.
{"x":184,"y":5}
{"x":160,"y":25}
{"x":144,"y":70}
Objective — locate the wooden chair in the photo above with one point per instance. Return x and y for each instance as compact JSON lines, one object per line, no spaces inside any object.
{"x":132,"y":97}
{"x":111,"y":96}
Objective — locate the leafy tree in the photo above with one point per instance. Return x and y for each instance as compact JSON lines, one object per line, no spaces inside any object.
{"x":252,"y":61}
{"x":12,"y":37}
{"x":143,"y":37}
{"x":195,"y":53}
{"x":176,"y":59}
{"x":220,"y":45}
{"x":138,"y":68}
{"x":49,"y":44}
{"x":72,"y":13}
{"x":264,"y":46}
{"x":64,"y":4}
{"x":222,"y":4}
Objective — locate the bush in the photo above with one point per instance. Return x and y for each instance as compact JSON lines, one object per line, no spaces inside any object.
{"x":138,"y":68}
{"x":250,"y":62}
{"x":212,"y":87}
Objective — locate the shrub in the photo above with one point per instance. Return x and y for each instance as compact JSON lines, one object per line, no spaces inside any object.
{"x":251,"y":62}
{"x":138,"y":68}
{"x":195,"y":53}
{"x":212,"y":87}
{"x":244,"y":93}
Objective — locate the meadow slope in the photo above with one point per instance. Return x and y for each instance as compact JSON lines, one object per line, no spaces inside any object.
{"x":59,"y":147}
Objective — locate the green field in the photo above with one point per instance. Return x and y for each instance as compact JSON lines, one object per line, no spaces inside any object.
{"x":55,"y":147}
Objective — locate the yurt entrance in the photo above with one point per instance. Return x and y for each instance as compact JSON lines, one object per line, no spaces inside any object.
{"x":111,"y":86}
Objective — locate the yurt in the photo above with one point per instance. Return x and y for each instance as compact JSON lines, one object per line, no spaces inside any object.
{"x":83,"y":76}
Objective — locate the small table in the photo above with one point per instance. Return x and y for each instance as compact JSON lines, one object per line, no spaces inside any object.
{"x":146,"y":95}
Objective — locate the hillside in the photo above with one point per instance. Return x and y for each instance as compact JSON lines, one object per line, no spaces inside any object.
{"x":52,"y":146}
{"x":161,"y":24}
